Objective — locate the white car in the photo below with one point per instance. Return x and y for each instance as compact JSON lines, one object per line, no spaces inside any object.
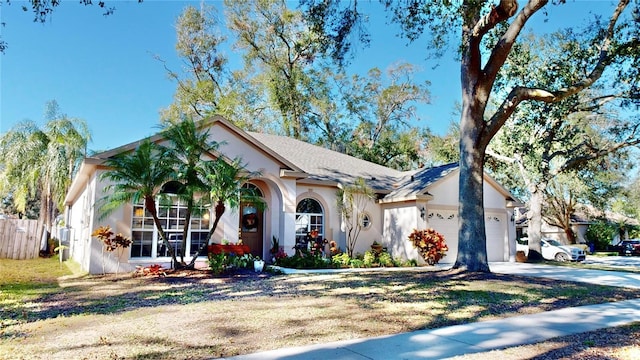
{"x":554,"y":250}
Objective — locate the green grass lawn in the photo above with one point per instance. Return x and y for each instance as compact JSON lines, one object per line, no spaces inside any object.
{"x":52,"y":311}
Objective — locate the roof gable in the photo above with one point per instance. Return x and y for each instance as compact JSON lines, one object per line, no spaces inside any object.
{"x":418,"y":182}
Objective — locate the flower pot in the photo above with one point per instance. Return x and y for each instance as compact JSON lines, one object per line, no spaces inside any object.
{"x":258,"y":265}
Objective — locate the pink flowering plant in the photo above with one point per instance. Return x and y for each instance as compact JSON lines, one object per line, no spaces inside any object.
{"x":430,"y":243}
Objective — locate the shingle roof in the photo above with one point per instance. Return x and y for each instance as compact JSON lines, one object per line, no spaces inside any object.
{"x":417,"y":182}
{"x":328,"y":165}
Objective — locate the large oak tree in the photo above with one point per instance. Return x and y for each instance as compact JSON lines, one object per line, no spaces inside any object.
{"x":486,"y":33}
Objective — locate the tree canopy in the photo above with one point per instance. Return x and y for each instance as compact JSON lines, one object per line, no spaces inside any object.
{"x":39,"y":162}
{"x":487,"y":34}
{"x":286,"y":84}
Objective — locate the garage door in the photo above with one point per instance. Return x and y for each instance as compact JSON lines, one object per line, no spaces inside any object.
{"x":496,"y":227}
{"x":446,"y":223}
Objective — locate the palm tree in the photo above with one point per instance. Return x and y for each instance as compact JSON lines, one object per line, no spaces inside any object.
{"x":138,"y":176}
{"x":41,"y":162}
{"x":225,"y":179}
{"x":23,"y":148}
{"x":188,"y":146}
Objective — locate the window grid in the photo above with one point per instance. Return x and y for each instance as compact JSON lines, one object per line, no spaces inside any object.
{"x":309,"y":217}
{"x":172,"y":219}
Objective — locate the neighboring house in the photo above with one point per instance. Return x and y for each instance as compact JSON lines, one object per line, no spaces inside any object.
{"x":298,"y":182}
{"x":580,"y":221}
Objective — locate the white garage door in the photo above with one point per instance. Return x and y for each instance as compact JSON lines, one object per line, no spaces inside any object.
{"x":446,"y":223}
{"x":496,"y":227}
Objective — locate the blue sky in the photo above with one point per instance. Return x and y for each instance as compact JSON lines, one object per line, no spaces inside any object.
{"x":102,"y":69}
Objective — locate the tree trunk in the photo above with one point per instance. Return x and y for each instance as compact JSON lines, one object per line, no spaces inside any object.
{"x":534,"y":227}
{"x":150,"y":205}
{"x":185,"y":230}
{"x":571,"y":236}
{"x":472,"y":244}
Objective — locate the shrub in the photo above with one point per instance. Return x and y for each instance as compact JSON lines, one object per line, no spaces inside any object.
{"x":411,"y":263}
{"x":305,"y":259}
{"x":341,"y":260}
{"x":357,"y":263}
{"x":218,"y":262}
{"x":151,"y":270}
{"x":600,"y":234}
{"x":369,"y":258}
{"x":430,"y":244}
{"x":384,"y":259}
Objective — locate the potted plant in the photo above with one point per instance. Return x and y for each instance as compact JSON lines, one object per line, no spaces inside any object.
{"x":377,"y":247}
{"x":258,"y":264}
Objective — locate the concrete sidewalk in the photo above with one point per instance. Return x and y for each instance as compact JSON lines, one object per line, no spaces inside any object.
{"x":483,"y":336}
{"x":598,"y":277}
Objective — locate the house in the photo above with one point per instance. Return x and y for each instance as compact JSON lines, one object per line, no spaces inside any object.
{"x":298,"y":182}
{"x":580,"y":219}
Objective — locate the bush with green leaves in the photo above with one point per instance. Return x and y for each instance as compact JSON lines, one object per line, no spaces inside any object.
{"x":341,"y":260}
{"x":305,"y":259}
{"x":601,"y":233}
{"x":219,"y":263}
{"x":369,"y":258}
{"x":385,"y":259}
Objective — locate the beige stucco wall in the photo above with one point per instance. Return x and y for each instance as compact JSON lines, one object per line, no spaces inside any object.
{"x":441,"y":213}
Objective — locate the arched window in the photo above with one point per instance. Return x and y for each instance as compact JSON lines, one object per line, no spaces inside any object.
{"x":253,"y":188}
{"x":309,"y":217}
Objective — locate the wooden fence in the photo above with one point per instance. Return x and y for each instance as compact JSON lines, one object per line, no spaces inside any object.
{"x":19,"y":239}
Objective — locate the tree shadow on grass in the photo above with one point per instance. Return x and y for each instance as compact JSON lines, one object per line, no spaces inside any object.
{"x":465,"y":296}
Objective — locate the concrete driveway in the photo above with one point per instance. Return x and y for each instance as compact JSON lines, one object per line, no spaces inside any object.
{"x":599,"y":277}
{"x":614,"y":261}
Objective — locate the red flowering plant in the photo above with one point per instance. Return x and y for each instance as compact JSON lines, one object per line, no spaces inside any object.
{"x":430,"y":243}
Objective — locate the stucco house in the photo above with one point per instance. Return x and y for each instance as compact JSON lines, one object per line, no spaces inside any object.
{"x":298,"y":182}
{"x":583,"y":216}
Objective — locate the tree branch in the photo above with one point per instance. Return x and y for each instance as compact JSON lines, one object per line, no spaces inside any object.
{"x":503,"y":47}
{"x":519,"y":94}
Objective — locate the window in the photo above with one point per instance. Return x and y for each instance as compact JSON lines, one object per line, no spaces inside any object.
{"x":365,"y":220}
{"x":309,"y":216}
{"x":147,"y":242}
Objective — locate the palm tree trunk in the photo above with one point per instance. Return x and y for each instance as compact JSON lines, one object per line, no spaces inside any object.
{"x":150,"y":205}
{"x":185,"y":230}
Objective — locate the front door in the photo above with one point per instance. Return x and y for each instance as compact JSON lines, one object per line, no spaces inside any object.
{"x":251,"y":229}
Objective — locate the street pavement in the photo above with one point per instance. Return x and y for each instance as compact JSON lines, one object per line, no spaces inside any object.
{"x":487,"y":335}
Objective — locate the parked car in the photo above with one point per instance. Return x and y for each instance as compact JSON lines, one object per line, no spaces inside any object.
{"x":629,"y":247}
{"x":554,"y":250}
